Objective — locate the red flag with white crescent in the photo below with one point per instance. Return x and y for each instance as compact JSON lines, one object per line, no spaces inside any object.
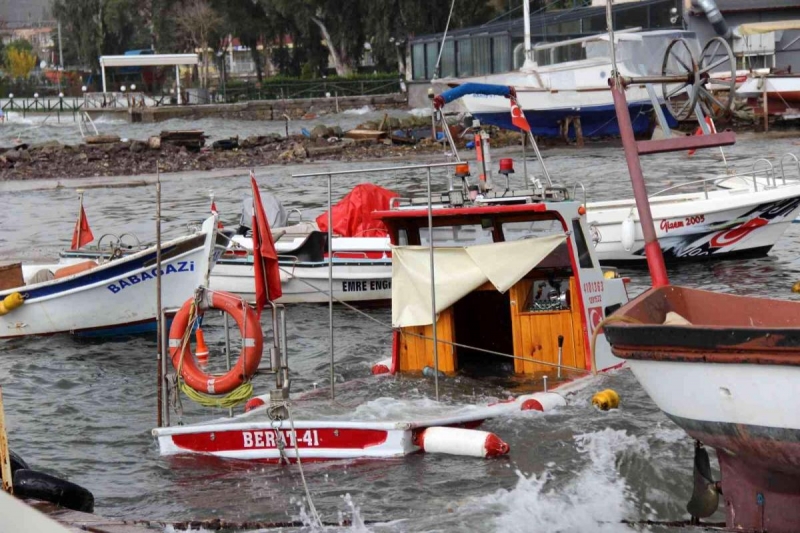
{"x":518,"y":117}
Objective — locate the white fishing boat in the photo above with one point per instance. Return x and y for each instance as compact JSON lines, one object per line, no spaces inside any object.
{"x":730,"y":217}
{"x":114,"y":297}
{"x":518,"y":293}
{"x":361,"y":254}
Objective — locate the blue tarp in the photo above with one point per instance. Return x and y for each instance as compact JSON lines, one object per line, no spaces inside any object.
{"x":475,"y":88}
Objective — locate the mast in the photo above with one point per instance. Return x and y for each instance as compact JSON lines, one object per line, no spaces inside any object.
{"x":526,"y":13}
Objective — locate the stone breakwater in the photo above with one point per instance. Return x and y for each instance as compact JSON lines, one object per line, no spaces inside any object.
{"x":255,"y":110}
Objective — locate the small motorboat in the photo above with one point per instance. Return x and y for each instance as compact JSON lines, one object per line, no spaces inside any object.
{"x":362,"y":257}
{"x":91,"y":297}
{"x":516,"y":294}
{"x":722,"y":367}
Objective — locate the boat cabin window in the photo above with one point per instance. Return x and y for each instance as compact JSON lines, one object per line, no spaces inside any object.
{"x":584,"y":257}
{"x":517,"y":230}
{"x":551,"y":294}
{"x":402,"y":237}
{"x":457,"y":235}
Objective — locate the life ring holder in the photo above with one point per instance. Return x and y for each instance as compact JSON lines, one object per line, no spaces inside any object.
{"x":179,"y":343}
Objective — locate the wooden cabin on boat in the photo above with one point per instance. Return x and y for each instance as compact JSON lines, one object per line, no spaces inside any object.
{"x":515,"y":274}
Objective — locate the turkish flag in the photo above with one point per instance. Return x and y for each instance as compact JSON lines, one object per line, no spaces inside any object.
{"x":82,"y":235}
{"x":518,"y":117}
{"x":215,"y":212}
{"x":265,"y":258}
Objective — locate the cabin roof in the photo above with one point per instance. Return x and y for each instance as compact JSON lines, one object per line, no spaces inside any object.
{"x":493,"y":209}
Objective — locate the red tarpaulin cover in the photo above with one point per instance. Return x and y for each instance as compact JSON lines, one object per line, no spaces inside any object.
{"x":352,"y":216}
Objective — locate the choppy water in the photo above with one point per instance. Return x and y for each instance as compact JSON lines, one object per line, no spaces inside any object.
{"x":84,"y":409}
{"x":36,"y":128}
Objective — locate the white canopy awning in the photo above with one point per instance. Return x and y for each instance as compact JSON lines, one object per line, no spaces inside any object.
{"x":148,"y":60}
{"x":459,"y":271}
{"x":753,"y":28}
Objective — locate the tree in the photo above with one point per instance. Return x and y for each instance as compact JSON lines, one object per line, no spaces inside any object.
{"x":19,"y":62}
{"x":196,"y":22}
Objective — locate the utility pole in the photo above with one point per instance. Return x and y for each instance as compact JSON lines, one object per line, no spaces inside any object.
{"x":60,"y":48}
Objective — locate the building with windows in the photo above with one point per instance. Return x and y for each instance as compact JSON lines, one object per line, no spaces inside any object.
{"x":498,"y":47}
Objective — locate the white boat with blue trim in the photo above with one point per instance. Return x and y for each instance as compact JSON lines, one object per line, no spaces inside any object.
{"x":114,"y":297}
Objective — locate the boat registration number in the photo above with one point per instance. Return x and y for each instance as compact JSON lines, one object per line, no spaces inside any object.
{"x":268,"y":438}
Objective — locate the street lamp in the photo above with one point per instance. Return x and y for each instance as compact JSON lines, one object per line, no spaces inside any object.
{"x":133,"y":86}
{"x":83,"y":88}
{"x":122,"y":89}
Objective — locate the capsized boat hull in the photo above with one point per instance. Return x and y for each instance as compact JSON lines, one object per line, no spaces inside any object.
{"x":728,"y":223}
{"x":353,"y":280}
{"x":729,"y":379}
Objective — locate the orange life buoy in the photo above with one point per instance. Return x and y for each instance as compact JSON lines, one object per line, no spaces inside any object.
{"x":249,"y":358}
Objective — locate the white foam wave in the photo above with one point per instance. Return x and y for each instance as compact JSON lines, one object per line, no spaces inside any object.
{"x":420,"y":112}
{"x":359,"y":111}
{"x":596,"y":499}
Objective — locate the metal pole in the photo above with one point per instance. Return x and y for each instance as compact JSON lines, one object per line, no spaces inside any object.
{"x":60,"y":54}
{"x":159,"y":313}
{"x":330,"y":280}
{"x":433,"y":293}
{"x":766,"y":108}
{"x":5,"y":461}
{"x":228,"y":349}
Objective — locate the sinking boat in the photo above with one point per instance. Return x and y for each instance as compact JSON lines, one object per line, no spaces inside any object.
{"x":722,"y":367}
{"x":362,"y":261}
{"x":112,"y":297}
{"x":516,"y":293}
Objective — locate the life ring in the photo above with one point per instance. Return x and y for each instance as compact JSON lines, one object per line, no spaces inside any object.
{"x":249,"y":357}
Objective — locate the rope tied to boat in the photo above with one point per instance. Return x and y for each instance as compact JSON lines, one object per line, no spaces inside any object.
{"x":236,"y":397}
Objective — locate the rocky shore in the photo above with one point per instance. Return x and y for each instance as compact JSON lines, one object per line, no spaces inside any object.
{"x":186,"y":151}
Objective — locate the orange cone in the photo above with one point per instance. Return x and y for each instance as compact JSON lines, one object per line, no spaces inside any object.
{"x":202,"y":349}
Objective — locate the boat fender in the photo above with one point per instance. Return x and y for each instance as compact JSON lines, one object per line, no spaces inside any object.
{"x":41,"y":486}
{"x":628,"y":233}
{"x":460,"y":441}
{"x":606,"y":399}
{"x":252,"y":344}
{"x":71,"y":270}
{"x":11,"y":302}
{"x":542,"y":401}
{"x":17,"y":463}
{"x":382,"y":367}
{"x":253,"y":403}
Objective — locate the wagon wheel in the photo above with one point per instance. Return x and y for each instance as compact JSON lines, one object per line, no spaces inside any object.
{"x":678,"y":95}
{"x":716,"y":60}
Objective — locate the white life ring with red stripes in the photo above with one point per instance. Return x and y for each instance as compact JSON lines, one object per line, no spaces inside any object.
{"x":249,"y":357}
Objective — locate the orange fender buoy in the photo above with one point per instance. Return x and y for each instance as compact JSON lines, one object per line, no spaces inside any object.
{"x":249,"y":357}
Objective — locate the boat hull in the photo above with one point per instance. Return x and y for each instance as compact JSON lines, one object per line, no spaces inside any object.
{"x":729,"y":379}
{"x":690,"y":227}
{"x":113,"y":299}
{"x":308,"y":283}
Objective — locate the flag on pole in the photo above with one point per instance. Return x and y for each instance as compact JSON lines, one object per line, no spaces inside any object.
{"x":518,"y":117}
{"x":82,"y":235}
{"x":699,"y":131}
{"x":265,"y":258}
{"x":215,"y":212}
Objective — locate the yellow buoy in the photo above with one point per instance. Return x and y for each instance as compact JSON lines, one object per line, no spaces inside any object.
{"x":11,"y":302}
{"x":606,"y":399}
{"x":609,"y":274}
{"x":796,"y":287}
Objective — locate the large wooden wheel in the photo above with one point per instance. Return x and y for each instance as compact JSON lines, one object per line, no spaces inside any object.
{"x":679,"y":64}
{"x":717,"y":72}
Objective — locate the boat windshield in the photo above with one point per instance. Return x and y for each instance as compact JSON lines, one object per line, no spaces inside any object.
{"x":517,"y":230}
{"x":457,"y":235}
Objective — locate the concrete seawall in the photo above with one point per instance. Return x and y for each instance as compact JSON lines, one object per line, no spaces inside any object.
{"x":256,"y":110}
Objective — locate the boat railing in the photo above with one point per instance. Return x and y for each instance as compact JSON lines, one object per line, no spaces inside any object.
{"x":747,"y":179}
{"x":769,"y":171}
{"x":791,"y":156}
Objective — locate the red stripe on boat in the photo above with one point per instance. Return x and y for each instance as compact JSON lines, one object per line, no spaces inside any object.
{"x":258,"y":439}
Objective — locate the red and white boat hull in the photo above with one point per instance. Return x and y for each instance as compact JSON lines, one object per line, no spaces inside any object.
{"x":727,"y":223}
